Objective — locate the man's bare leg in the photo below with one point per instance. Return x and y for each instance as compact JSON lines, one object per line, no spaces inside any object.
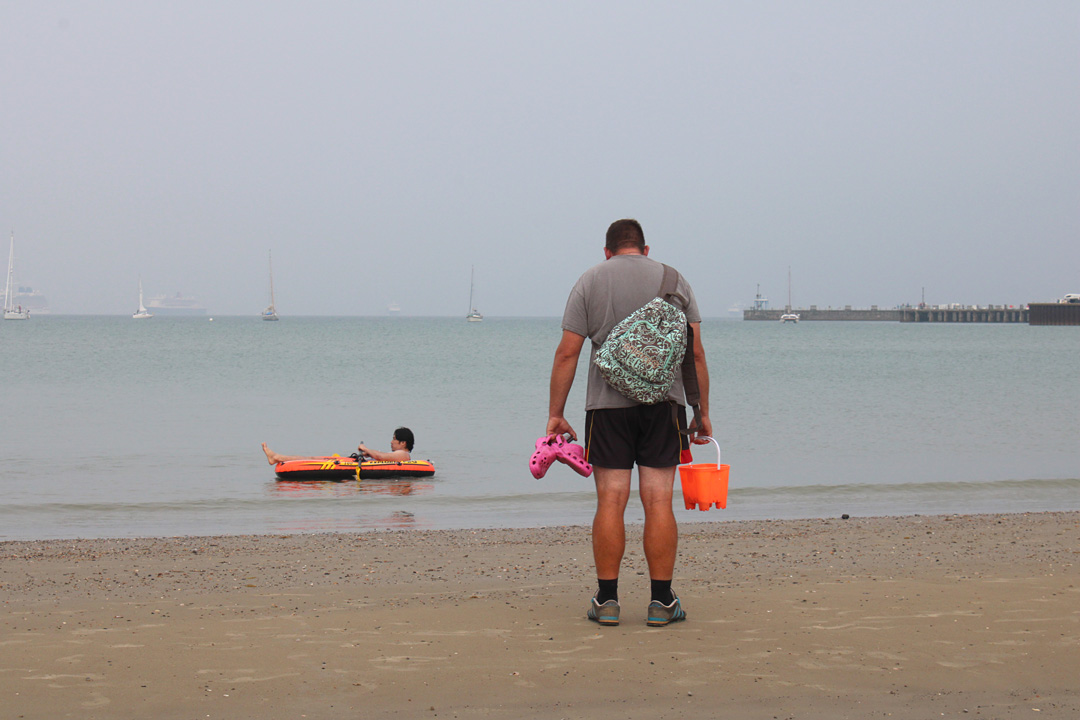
{"x":661,"y":536}
{"x":609,"y":529}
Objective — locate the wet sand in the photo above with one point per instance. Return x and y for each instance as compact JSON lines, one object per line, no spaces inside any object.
{"x":911,"y":617}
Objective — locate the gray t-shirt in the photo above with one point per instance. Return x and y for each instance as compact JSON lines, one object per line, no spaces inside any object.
{"x":604,"y":296}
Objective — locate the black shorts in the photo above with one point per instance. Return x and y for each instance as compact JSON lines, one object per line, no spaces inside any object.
{"x":644,"y":434}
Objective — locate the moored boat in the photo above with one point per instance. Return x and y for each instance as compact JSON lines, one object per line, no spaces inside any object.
{"x":788,"y":316}
{"x":13,"y":310}
{"x":270,"y":313}
{"x":142,"y":313}
{"x":474,"y":314}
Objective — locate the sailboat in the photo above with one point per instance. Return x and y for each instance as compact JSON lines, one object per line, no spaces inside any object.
{"x":270,"y":313}
{"x":474,"y":314}
{"x":142,"y":313}
{"x":11,"y":312}
{"x":788,"y":316}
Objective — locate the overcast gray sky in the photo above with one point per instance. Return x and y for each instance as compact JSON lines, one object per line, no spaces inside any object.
{"x":381,"y":149}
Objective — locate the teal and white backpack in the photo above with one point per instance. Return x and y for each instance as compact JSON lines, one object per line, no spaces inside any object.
{"x":642,"y":354}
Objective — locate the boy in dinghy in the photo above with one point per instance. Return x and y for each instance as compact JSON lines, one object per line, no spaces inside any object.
{"x":401,"y":445}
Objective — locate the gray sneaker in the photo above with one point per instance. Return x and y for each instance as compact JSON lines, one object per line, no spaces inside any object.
{"x":606,"y":614}
{"x":660,"y":614}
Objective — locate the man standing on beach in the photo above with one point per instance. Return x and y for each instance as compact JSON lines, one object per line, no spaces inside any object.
{"x":621,"y":432}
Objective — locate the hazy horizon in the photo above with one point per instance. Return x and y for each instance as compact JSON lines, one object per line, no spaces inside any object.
{"x":382,"y":150}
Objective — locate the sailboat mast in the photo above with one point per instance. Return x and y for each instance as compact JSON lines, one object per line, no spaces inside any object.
{"x":789,"y":288}
{"x":10,"y":273}
{"x":270,"y":262}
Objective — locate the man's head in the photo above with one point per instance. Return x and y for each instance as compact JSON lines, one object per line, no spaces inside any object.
{"x":625,"y":236}
{"x":404,"y":435}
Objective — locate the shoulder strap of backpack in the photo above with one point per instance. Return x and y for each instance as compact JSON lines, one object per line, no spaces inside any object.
{"x":689,"y":367}
{"x":690,"y":385}
{"x":689,"y":371}
{"x":668,"y":286}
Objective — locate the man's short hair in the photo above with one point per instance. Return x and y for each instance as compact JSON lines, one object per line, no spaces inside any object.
{"x":404,"y":434}
{"x":623,"y":234}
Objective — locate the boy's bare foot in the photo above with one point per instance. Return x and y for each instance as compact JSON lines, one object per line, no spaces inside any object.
{"x":271,"y":457}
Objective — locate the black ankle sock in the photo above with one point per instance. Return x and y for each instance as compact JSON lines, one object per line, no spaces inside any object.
{"x":609,"y":590}
{"x":661,"y":591}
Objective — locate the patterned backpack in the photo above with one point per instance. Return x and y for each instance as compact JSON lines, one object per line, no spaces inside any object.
{"x":641,"y":354}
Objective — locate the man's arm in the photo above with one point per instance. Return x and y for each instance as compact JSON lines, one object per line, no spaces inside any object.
{"x":705,"y":430}
{"x":562,"y":379}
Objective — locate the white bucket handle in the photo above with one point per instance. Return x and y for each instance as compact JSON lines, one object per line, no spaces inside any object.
{"x":713,"y":441}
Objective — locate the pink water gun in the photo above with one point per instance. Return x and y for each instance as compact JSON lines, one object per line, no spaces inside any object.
{"x":557,"y":447}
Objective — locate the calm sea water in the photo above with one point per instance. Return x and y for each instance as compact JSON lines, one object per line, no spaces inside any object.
{"x":111,"y":427}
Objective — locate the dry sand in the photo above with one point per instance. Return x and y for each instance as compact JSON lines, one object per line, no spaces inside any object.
{"x":912,"y":617}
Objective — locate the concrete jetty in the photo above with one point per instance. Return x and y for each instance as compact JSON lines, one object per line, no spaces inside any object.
{"x":848,"y":313}
{"x":924,"y":314}
{"x":1065,"y":311}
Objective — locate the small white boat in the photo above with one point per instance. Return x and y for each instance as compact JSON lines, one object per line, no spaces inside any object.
{"x":788,"y":316}
{"x":142,"y":313}
{"x":12,"y":311}
{"x":474,"y":314}
{"x":270,"y":313}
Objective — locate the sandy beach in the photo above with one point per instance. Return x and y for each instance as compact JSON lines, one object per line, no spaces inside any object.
{"x":909,"y":617}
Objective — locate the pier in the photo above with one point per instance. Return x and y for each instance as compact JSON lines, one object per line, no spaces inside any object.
{"x":1065,"y":311}
{"x":871,"y":315}
{"x":926,"y":314}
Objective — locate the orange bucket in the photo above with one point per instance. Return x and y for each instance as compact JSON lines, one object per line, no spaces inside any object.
{"x":705,"y":484}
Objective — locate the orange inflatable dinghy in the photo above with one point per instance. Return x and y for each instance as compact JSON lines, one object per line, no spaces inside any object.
{"x":335,"y":467}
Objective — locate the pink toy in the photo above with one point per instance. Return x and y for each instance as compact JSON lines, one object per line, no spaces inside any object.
{"x":556,"y":447}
